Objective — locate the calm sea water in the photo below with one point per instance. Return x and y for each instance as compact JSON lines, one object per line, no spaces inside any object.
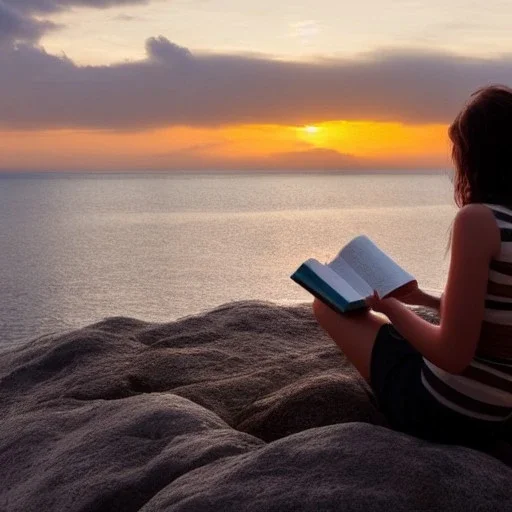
{"x":78,"y":248}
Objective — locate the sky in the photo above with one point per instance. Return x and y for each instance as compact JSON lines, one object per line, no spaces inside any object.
{"x":135,"y":85}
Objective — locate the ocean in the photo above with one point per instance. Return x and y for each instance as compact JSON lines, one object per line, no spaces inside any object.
{"x":76,"y":248}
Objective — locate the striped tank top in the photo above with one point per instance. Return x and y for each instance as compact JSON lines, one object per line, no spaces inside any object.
{"x":484,"y":389}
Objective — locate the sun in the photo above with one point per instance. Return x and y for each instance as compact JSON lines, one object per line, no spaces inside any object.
{"x":313,"y":135}
{"x":311,"y":129}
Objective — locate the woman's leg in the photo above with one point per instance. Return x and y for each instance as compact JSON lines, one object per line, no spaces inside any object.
{"x":354,"y":333}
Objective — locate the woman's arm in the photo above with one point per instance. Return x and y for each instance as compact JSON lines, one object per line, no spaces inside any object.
{"x":452,"y":344}
{"x":420,"y":298}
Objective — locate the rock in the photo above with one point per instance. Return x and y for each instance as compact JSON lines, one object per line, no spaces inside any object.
{"x":126,"y":415}
{"x":107,"y":455}
{"x":352,"y":466}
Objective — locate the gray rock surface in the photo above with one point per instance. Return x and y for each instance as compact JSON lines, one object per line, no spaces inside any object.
{"x":348,"y":467}
{"x":247,"y":407}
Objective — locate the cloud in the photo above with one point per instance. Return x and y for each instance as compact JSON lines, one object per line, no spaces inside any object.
{"x":49,"y":6}
{"x":17,"y":21}
{"x":174,"y":86}
{"x":125,"y":17}
{"x":162,"y":50}
{"x":305,"y":31}
{"x":14,"y":25}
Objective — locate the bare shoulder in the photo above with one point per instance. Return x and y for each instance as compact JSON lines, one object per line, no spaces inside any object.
{"x":475,"y":214}
{"x":476,"y":224}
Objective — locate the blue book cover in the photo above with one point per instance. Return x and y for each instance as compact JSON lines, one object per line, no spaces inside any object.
{"x":334,"y":296}
{"x":358,"y":270}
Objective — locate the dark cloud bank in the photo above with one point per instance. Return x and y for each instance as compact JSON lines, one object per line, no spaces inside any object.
{"x":49,"y":6}
{"x":173,"y":86}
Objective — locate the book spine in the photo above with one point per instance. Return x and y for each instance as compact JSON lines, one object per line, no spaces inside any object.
{"x":306,"y":278}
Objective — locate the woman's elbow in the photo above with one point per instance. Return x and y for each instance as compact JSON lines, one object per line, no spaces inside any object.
{"x":456,"y":362}
{"x":454,"y":351}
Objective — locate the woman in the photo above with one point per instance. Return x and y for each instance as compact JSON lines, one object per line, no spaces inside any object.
{"x":451,"y":382}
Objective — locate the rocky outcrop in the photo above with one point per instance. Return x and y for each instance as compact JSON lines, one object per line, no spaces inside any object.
{"x":247,"y":407}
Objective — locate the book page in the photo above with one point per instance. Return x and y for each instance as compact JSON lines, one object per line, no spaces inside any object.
{"x":374,"y":266}
{"x":334,"y":280}
{"x":341,"y":267}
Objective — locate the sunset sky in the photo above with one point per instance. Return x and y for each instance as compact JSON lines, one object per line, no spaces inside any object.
{"x":127,"y":85}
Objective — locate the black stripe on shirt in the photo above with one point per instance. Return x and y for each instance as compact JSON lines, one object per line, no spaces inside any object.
{"x":489,"y":379}
{"x":506,"y":217}
{"x":499,"y":290}
{"x":502,"y":267}
{"x":506,"y":234}
{"x":500,"y":364}
{"x":462,"y":400}
{"x":495,"y":341}
{"x":496,"y":304}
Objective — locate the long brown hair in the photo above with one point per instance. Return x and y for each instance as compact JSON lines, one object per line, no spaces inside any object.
{"x":482,"y":148}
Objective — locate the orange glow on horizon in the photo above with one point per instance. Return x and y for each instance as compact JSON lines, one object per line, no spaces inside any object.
{"x":370,"y":143}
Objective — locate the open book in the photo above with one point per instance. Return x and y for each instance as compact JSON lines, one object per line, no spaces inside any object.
{"x":359,"y":269}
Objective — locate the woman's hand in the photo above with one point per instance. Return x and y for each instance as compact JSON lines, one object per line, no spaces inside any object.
{"x":413,"y":298}
{"x":380,"y":305}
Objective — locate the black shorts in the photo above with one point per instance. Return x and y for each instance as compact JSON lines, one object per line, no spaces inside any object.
{"x":407,"y":404}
